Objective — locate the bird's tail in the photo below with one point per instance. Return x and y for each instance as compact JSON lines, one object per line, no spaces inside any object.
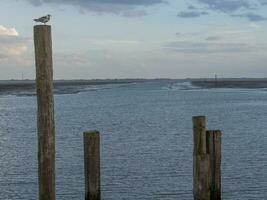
{"x":36,"y":20}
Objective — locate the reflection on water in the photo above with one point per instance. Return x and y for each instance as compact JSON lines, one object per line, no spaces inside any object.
{"x":146,"y":141}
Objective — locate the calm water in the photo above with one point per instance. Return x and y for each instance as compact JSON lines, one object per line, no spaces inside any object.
{"x":146,"y":141}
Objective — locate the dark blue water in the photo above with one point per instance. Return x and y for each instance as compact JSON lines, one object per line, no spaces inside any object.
{"x":146,"y":132}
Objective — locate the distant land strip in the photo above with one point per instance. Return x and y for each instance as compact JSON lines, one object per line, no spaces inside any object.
{"x":231,"y":83}
{"x":27,"y":87}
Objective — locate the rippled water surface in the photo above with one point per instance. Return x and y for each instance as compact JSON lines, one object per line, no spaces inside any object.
{"x":146,"y":133}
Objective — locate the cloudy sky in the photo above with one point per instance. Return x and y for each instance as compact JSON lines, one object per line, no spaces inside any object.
{"x":138,"y":38}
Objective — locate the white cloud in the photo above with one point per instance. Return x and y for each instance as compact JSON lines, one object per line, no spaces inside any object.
{"x":13,"y":49}
{"x":4,"y":31}
{"x":16,"y":50}
{"x":12,"y":46}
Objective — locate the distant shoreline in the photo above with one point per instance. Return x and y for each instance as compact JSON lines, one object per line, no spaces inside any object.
{"x":27,"y":87}
{"x":231,"y":83}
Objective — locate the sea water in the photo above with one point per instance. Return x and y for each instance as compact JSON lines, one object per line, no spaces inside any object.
{"x":146,"y":141}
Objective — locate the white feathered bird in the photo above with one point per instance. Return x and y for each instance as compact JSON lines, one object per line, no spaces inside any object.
{"x":43,"y":19}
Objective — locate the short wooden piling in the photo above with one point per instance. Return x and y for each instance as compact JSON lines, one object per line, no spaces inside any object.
{"x":201,"y":161}
{"x":92,"y":165}
{"x":214,"y":149}
{"x":45,"y":119}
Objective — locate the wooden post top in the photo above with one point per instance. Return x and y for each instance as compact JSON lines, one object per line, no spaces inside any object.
{"x":42,"y":29}
{"x":200,"y":117}
{"x":217,"y":132}
{"x":41,"y":26}
{"x":199,"y":126}
{"x":91,"y":133}
{"x":199,"y":121}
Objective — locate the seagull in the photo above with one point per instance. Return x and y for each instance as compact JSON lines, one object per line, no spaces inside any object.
{"x":43,"y":19}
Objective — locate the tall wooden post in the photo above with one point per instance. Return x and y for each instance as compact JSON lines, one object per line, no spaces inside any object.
{"x":201,"y":161}
{"x":45,"y":119}
{"x":92,"y":165}
{"x":214,"y":149}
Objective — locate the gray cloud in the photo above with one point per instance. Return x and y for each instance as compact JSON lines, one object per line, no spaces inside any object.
{"x":118,"y":7}
{"x":191,"y":7}
{"x":210,"y":47}
{"x":89,"y":2}
{"x":135,"y":13}
{"x":213,"y":38}
{"x":190,"y":14}
{"x":226,"y":6}
{"x":234,"y":8}
{"x":263,"y":2}
{"x":251,"y":17}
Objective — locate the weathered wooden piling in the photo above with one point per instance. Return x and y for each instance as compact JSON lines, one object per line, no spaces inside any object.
{"x":214,"y":149}
{"x":92,"y":165}
{"x":201,"y":161}
{"x":45,"y":107}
